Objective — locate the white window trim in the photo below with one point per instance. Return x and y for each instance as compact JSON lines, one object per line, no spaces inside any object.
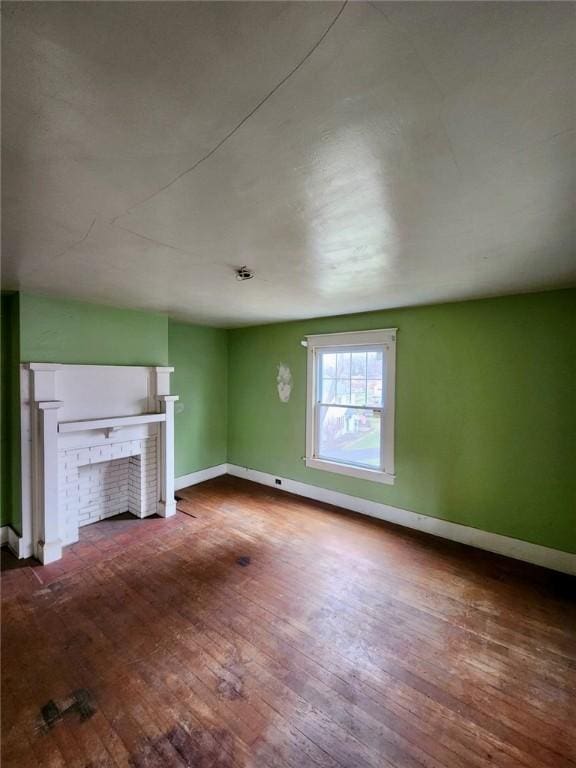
{"x":387,"y":338}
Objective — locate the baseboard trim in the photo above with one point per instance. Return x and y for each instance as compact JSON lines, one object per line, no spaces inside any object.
{"x":565,"y":562}
{"x":9,"y":538}
{"x":199,"y":477}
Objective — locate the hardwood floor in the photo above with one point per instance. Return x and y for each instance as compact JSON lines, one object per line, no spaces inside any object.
{"x":261,"y":629}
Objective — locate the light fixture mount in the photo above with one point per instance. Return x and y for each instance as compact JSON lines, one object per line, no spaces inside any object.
{"x":244,"y":273}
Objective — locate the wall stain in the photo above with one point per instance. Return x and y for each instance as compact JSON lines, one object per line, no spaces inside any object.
{"x":284,"y":382}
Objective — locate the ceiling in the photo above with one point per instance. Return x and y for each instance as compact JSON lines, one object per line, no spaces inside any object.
{"x":356,"y":156}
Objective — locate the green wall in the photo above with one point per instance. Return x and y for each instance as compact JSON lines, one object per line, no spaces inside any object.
{"x":9,"y":411}
{"x":58,"y":331}
{"x":485,"y":412}
{"x":4,"y":432}
{"x":199,"y":356}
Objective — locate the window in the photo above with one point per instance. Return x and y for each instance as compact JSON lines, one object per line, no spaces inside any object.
{"x":350,"y":411}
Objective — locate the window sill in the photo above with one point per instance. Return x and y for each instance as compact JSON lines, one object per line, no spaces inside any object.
{"x":374,"y":475}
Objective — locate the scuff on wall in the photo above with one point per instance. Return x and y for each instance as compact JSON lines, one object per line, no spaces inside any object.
{"x":284,"y":382}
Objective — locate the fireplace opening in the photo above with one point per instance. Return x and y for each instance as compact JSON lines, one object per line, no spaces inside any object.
{"x":105,"y":481}
{"x":103,"y":490}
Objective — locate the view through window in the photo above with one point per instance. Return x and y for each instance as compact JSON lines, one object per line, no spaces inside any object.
{"x":350,"y":406}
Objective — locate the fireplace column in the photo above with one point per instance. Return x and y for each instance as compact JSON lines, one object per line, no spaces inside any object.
{"x":49,"y":543}
{"x":167,"y":504}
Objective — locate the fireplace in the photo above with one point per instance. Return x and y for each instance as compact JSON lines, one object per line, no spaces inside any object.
{"x":96,"y":441}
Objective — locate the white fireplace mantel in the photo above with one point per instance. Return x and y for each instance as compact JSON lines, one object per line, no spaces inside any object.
{"x":111,"y":423}
{"x":91,"y":411}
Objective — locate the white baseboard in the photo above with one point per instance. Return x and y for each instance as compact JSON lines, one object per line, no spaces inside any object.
{"x":8,"y":536}
{"x":547,"y":557}
{"x":492,"y":542}
{"x":199,"y":477}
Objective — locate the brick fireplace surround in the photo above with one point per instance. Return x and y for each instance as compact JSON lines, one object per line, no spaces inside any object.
{"x":105,"y":480}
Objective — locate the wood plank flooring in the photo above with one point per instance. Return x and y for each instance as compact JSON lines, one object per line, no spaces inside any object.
{"x":260,"y":629}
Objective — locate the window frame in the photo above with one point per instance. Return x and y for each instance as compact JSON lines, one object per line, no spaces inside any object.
{"x":384,"y":338}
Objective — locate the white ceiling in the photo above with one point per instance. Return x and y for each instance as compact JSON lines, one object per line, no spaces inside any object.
{"x":417,"y":152}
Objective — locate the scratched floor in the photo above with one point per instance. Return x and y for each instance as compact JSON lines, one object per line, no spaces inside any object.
{"x":268,"y":630}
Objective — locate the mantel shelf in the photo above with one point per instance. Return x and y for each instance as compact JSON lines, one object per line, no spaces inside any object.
{"x":110,"y":423}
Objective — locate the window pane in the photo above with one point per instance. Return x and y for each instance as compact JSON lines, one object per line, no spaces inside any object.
{"x":348,"y":435}
{"x":374,"y":365}
{"x":358,"y":389}
{"x":358,"y":365}
{"x":328,"y":391}
{"x":374,"y":392}
{"x":343,"y":365}
{"x":343,"y":391}
{"x":328,"y":369}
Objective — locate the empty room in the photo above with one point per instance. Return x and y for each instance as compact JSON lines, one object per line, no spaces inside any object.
{"x":288,"y":385}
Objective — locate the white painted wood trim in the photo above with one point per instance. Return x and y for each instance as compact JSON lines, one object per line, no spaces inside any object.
{"x":49,"y":545}
{"x":193,"y":478}
{"x":374,"y":476}
{"x":388,"y":437}
{"x":352,"y":338}
{"x":9,"y":538}
{"x":386,"y":339}
{"x":547,"y":557}
{"x":167,"y":505}
{"x":16,"y":545}
{"x":116,"y":421}
{"x":163,"y":379}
